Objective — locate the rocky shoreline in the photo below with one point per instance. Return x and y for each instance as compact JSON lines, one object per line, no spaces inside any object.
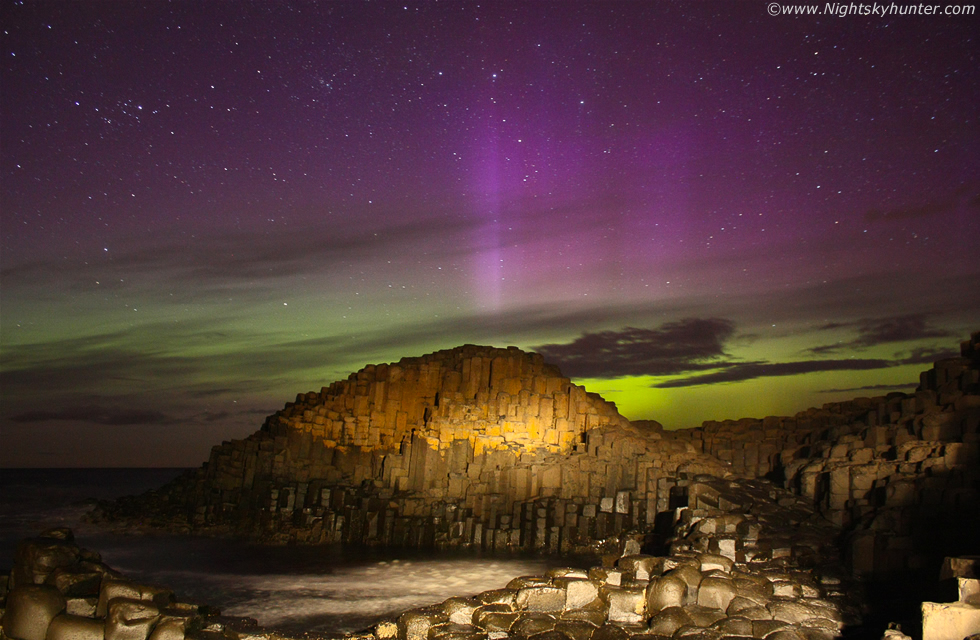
{"x":744,"y":559}
{"x":771,"y":529}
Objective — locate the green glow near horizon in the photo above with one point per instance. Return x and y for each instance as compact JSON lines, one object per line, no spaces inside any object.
{"x":688,"y":407}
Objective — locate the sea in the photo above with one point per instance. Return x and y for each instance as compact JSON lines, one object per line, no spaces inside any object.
{"x":324,"y":590}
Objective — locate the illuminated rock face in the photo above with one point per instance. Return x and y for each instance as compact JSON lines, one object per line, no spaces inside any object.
{"x":474,"y":446}
{"x":494,"y":399}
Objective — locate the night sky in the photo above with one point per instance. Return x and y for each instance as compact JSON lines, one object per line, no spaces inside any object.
{"x":699,"y":210}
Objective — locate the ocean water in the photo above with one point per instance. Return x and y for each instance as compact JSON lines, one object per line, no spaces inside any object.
{"x":327,"y":590}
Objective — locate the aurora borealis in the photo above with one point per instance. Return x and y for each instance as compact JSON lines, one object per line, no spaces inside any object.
{"x":699,"y":210}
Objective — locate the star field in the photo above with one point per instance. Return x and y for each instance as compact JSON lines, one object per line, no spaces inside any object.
{"x":700,"y":211}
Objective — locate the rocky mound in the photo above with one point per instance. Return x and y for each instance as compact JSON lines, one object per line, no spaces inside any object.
{"x":470,"y":447}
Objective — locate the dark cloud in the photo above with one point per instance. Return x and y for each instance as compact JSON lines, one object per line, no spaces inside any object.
{"x":874,"y":332}
{"x":751,"y":370}
{"x":736,"y":372}
{"x":687,"y":345}
{"x":928,"y":356}
{"x":898,"y":329}
{"x":873,"y":387}
{"x":112,"y":416}
{"x":144,"y":358}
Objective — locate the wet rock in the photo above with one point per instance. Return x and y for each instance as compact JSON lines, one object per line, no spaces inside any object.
{"x":579,"y":592}
{"x":498,"y":596}
{"x":734,"y":626}
{"x":762,"y":628}
{"x":532,"y":624}
{"x":594,"y":614}
{"x":30,"y":609}
{"x":460,"y":610}
{"x":567,"y":572}
{"x":576,"y":629}
{"x":550,"y":635}
{"x":786,"y":633}
{"x":641,"y":567}
{"x":522,"y":582}
{"x":610,"y":632}
{"x":456,"y":631}
{"x":691,"y":577}
{"x":697,"y":633}
{"x":627,"y":605}
{"x":545,"y":599}
{"x":789,"y":611}
{"x":716,"y":593}
{"x":128,"y":619}
{"x":669,"y":620}
{"x":604,"y":575}
{"x":740,"y":604}
{"x":786,"y":589}
{"x":704,"y":616}
{"x":666,"y":591}
{"x":76,"y":583}
{"x":113,"y":588}
{"x":492,"y":617}
{"x":37,"y":558}
{"x":70,"y":627}
{"x":715,"y":562}
{"x":84,"y":607}
{"x":415,"y":624}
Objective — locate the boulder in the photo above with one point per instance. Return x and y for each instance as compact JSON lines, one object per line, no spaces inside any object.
{"x":530,"y":624}
{"x":490,"y":617}
{"x":669,"y":620}
{"x":544,"y":599}
{"x":576,"y":629}
{"x":666,"y":591}
{"x":129,"y":619}
{"x":627,"y":605}
{"x":69,"y":627}
{"x":30,"y":609}
{"x":37,"y":558}
{"x":454,"y":631}
{"x":415,"y":624}
{"x":460,"y":610}
{"x":716,"y":593}
{"x":579,"y":592}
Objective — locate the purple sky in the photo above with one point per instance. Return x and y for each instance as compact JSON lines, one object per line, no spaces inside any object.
{"x":698,"y":209}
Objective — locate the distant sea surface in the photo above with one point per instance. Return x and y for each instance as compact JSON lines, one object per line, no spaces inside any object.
{"x":328,"y":590}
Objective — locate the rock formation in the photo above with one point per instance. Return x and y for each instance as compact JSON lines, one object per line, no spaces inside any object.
{"x":470,"y":447}
{"x":492,"y":448}
{"x":898,"y":473}
{"x":744,"y":560}
{"x":59,"y":591}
